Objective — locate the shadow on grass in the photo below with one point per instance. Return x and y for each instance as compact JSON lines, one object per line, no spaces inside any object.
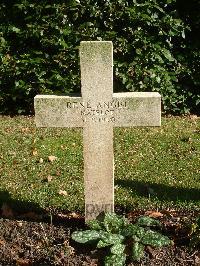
{"x":18,"y":205}
{"x":25,"y":210}
{"x":160,"y":191}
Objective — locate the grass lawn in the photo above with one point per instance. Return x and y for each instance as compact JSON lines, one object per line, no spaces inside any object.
{"x":154,"y":167}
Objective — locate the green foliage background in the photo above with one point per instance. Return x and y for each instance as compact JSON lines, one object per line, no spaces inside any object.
{"x":156,"y":48}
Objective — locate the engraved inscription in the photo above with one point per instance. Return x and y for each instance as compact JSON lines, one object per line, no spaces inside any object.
{"x":99,"y":112}
{"x":100,"y":119}
{"x":92,"y":112}
{"x":99,"y":105}
{"x":94,"y":209}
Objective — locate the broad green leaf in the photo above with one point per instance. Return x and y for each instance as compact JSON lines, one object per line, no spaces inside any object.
{"x":155,"y":239}
{"x":167,"y":54}
{"x":85,"y":236}
{"x":63,"y":43}
{"x":137,"y":251}
{"x":148,"y":221}
{"x":135,"y":238}
{"x":183,"y":34}
{"x":114,"y":223}
{"x":159,"y":8}
{"x":115,"y":260}
{"x":129,"y":230}
{"x":197,"y":101}
{"x":140,"y":232}
{"x":17,"y":30}
{"x":157,"y":56}
{"x":94,"y":224}
{"x":117,"y":249}
{"x":108,"y":239}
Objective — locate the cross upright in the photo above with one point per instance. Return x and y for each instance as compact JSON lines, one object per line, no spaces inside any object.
{"x":97,"y":111}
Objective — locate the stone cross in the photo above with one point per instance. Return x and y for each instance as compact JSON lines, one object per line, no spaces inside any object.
{"x":97,"y":111}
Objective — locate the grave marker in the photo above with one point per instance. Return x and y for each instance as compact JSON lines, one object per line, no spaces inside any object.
{"x":98,"y":111}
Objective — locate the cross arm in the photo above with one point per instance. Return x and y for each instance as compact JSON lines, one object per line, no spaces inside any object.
{"x":138,"y":109}
{"x":124,"y":110}
{"x":57,"y":111}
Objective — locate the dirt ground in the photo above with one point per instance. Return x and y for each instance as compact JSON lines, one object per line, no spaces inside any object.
{"x":31,"y":239}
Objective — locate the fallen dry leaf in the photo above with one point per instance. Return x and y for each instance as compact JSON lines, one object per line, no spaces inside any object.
{"x":58,"y":173}
{"x":197,"y":259}
{"x":51,"y":158}
{"x":23,"y":262}
{"x":69,"y":215}
{"x":15,"y":162}
{"x":62,"y":192}
{"x":20,"y":223}
{"x":41,"y":160}
{"x":153,"y":214}
{"x":193,"y":117}
{"x":63,"y":216}
{"x":2,"y":242}
{"x":90,"y":262}
{"x":74,"y":215}
{"x":8,"y":129}
{"x":169,"y":213}
{"x":25,"y":130}
{"x":34,"y":152}
{"x":49,"y":178}
{"x":7,"y":211}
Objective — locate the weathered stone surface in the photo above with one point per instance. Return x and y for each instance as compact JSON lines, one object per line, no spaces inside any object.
{"x":124,"y":110}
{"x":98,"y":110}
{"x":138,"y":109}
{"x":57,"y":111}
{"x":97,"y":86}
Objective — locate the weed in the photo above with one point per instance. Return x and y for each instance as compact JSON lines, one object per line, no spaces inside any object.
{"x":123,"y":238}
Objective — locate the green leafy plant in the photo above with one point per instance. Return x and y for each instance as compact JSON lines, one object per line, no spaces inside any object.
{"x":122,"y":237}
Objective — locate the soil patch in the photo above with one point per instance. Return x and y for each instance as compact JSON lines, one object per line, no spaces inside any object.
{"x":47,"y":241}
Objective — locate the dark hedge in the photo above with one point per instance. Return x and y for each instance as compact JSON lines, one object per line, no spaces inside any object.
{"x":155,"y":48}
